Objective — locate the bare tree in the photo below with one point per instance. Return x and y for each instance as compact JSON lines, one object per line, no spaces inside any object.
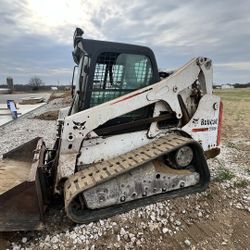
{"x":36,"y":83}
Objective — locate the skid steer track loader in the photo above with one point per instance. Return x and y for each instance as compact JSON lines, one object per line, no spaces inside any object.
{"x":132,"y":136}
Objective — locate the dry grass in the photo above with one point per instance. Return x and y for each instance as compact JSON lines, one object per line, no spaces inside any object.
{"x":236,"y":116}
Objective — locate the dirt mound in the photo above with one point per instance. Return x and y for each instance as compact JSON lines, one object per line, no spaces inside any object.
{"x":56,"y":95}
{"x":49,"y":115}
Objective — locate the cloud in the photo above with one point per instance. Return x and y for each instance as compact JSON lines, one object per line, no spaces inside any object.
{"x":234,"y":65}
{"x":33,"y":55}
{"x":38,"y":34}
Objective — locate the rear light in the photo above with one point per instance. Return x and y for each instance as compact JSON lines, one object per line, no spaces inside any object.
{"x":219,"y":124}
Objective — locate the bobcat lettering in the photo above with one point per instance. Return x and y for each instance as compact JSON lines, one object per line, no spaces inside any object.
{"x":209,"y":121}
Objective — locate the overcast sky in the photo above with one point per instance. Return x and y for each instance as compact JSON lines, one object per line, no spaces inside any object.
{"x":36,"y":36}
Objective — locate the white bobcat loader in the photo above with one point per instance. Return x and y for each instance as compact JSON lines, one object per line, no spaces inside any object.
{"x":132,"y":136}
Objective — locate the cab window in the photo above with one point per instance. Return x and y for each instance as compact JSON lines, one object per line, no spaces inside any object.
{"x":117,"y":74}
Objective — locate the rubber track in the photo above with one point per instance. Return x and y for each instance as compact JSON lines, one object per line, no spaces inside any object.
{"x":101,"y":172}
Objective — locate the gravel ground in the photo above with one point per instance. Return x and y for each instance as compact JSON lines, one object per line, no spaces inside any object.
{"x":216,"y":219}
{"x":27,"y":128}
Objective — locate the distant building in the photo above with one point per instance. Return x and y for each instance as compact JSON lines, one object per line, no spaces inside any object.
{"x":9,"y":81}
{"x":54,"y":88}
{"x":227,"y":86}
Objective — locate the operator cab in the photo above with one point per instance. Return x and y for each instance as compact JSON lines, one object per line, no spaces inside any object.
{"x":107,"y":70}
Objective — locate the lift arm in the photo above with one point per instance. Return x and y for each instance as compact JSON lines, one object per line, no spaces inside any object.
{"x":78,"y":126}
